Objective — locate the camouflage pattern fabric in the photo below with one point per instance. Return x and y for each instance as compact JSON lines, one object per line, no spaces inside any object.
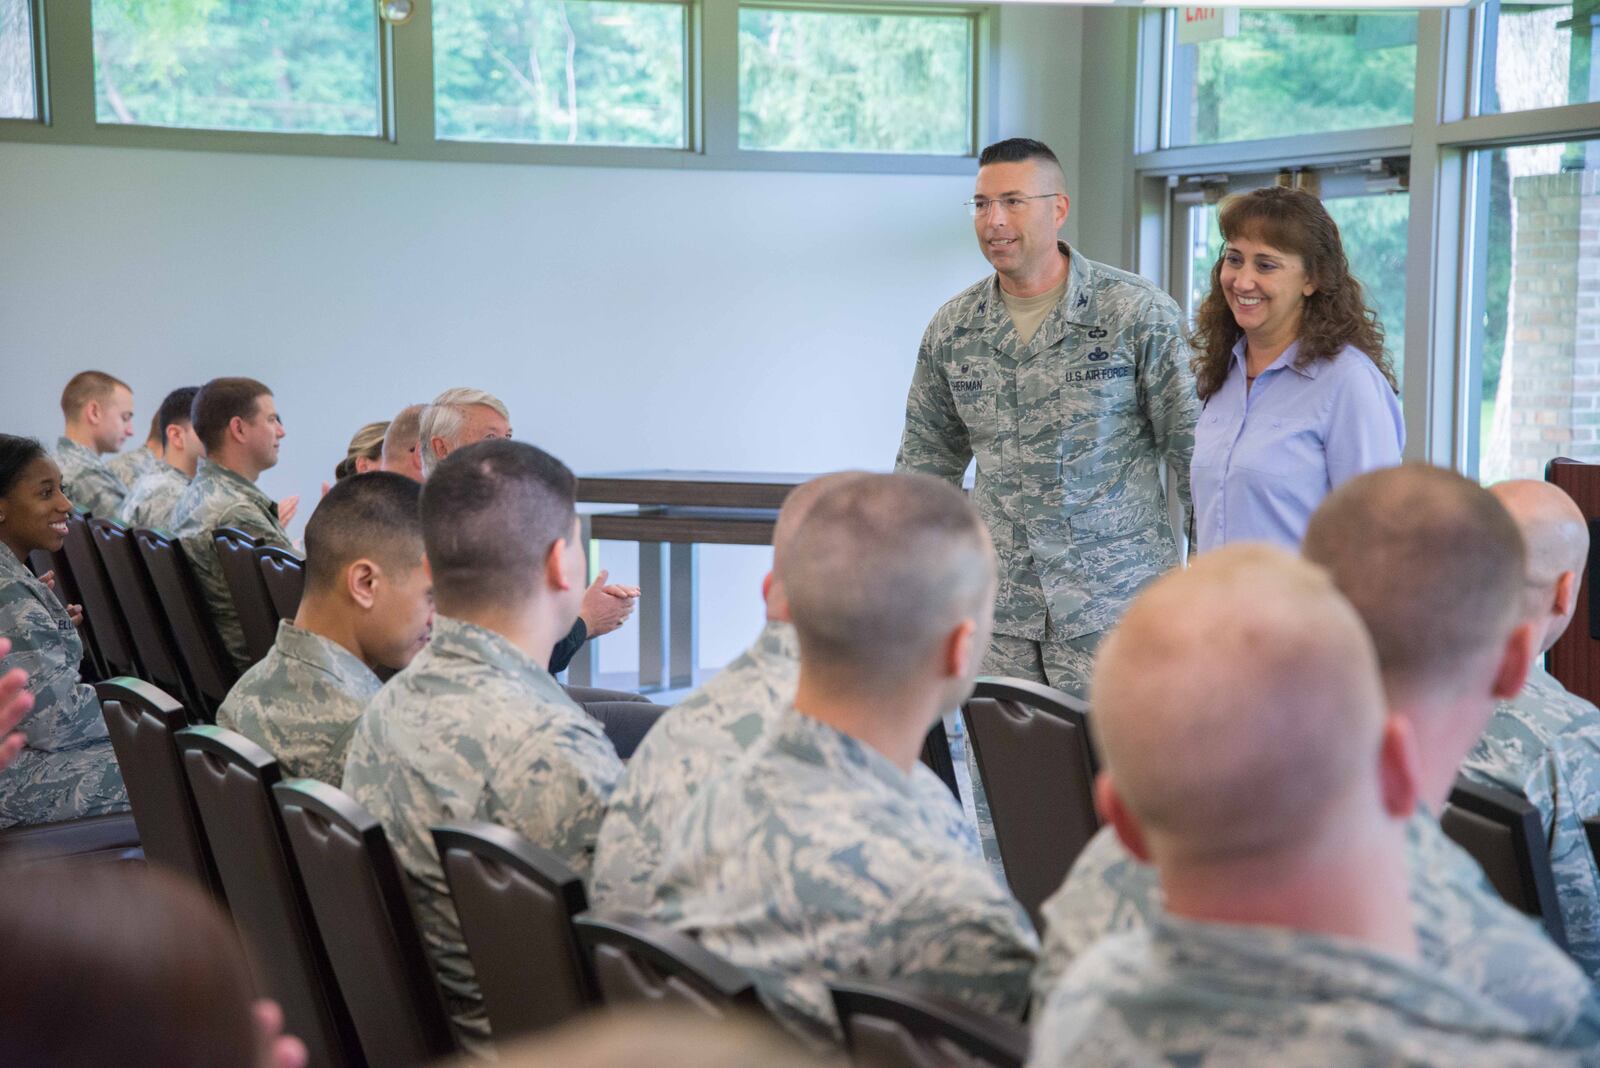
{"x":219,"y":497}
{"x":1193,"y":994}
{"x":131,"y":466}
{"x":1465,"y":931}
{"x":1067,"y":664}
{"x":1069,"y":432}
{"x":87,"y":481}
{"x":66,"y":768}
{"x":301,"y":703}
{"x":816,"y":858}
{"x":474,"y":729}
{"x":153,"y":499}
{"x":1545,"y":746}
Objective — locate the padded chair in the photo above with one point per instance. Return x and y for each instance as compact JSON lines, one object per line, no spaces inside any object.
{"x":936,"y":754}
{"x":516,"y":902}
{"x":100,"y":607}
{"x":625,"y":722}
{"x":113,"y":836}
{"x":42,"y":563}
{"x":886,"y":1027}
{"x":258,"y":618}
{"x":637,"y":962}
{"x":1032,"y":748}
{"x":143,"y":723}
{"x":209,"y":666}
{"x":361,"y":906}
{"x":285,"y":576}
{"x":1591,"y":831}
{"x":152,"y":635}
{"x":1505,"y":835}
{"x":232,"y":780}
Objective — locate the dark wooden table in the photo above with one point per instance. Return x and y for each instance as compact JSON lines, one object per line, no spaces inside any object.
{"x":670,"y":514}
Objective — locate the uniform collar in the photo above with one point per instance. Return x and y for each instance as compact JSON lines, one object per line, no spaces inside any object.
{"x":210,"y":471}
{"x":326,"y":655}
{"x":1287,"y":358}
{"x":82,"y":452}
{"x":814,"y":742}
{"x":467,"y":641}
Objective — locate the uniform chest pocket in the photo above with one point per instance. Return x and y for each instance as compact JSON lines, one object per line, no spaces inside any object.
{"x":1099,"y":381}
{"x":973,"y":390}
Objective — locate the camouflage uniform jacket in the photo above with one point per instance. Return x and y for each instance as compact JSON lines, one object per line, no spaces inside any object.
{"x":301,"y":702}
{"x":816,"y":858}
{"x":134,"y":464}
{"x":1069,"y":432}
{"x":1194,"y":994}
{"x":474,"y":729}
{"x":66,"y":768}
{"x":153,"y":499}
{"x":87,"y":481}
{"x":1545,"y":746}
{"x":1465,"y":931}
{"x":220,"y":497}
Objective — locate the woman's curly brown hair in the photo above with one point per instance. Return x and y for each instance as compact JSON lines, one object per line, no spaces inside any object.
{"x":1336,"y":315}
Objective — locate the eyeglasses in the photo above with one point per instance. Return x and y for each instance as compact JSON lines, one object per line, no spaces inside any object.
{"x":1010,"y":205}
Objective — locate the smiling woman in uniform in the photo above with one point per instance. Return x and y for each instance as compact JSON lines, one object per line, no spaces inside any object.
{"x":1289,"y":363}
{"x":66,"y":768}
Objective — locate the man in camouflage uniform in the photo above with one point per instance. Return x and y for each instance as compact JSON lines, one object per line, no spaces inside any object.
{"x":238,"y":425}
{"x":830,"y":852}
{"x":99,"y":414}
{"x":1433,"y":566}
{"x":1070,"y":383}
{"x":134,"y":464}
{"x":153,"y":498}
{"x":1544,"y":743}
{"x":368,"y":605}
{"x":476,"y":728}
{"x":65,"y":768}
{"x":1249,"y":758}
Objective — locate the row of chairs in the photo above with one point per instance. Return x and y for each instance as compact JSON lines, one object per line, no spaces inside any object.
{"x":321,"y":904}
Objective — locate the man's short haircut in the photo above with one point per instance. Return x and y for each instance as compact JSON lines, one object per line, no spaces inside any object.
{"x":376,"y":516}
{"x":797,"y":506}
{"x":1237,"y":704}
{"x":1432,"y":563}
{"x":403,"y":433}
{"x":882,"y":568}
{"x":1022,"y":150}
{"x":219,"y":402}
{"x":175,"y":410}
{"x":86,"y":386}
{"x":490,"y":513}
{"x":446,"y":415}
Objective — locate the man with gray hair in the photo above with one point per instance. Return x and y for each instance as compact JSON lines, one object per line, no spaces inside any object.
{"x":1248,"y":758}
{"x":830,"y":851}
{"x":1544,"y":743}
{"x":1434,"y":567}
{"x":474,"y":728}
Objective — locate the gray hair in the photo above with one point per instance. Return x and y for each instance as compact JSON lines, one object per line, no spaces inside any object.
{"x":443,"y":419}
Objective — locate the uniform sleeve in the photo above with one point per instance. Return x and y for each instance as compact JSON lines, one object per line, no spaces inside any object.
{"x":39,"y":648}
{"x":256,"y":523}
{"x":552,"y":785}
{"x":956,"y":934}
{"x":1167,"y":395}
{"x":1106,"y":891}
{"x":1553,"y":791}
{"x":935,"y":437}
{"x":1365,"y":429}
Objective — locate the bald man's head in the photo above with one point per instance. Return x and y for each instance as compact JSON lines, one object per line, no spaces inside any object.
{"x":1238,"y":707}
{"x":1557,"y":540}
{"x":881,"y":571}
{"x":1435,"y":567}
{"x":400,"y":440}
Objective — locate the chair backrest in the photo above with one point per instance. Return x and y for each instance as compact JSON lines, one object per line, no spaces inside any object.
{"x":1032,"y":748}
{"x":209,"y":666}
{"x":936,"y":755}
{"x":258,"y":617}
{"x":636,"y":962}
{"x":152,"y":634}
{"x":42,"y":563}
{"x":143,"y":723}
{"x":362,"y":908}
{"x":886,"y":1027}
{"x":1505,"y":835}
{"x":100,"y":607}
{"x":285,"y":576}
{"x":516,"y":902}
{"x":232,"y":780}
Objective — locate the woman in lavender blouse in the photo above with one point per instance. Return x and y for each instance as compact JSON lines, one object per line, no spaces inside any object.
{"x":1290,"y":367}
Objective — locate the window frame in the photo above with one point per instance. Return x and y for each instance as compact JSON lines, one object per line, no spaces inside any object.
{"x":41,"y":99}
{"x":64,"y":70}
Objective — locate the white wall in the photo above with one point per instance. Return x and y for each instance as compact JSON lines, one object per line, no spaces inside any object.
{"x":629,"y":317}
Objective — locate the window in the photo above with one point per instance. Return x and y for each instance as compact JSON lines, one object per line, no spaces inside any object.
{"x":1538,"y":364}
{"x":843,"y":81}
{"x":576,"y":72}
{"x":1294,"y":74}
{"x":1539,"y":56}
{"x":300,"y":66}
{"x":17,"y":79}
